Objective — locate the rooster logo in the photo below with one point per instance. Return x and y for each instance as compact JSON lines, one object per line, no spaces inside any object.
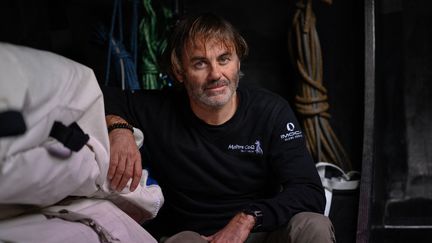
{"x":258,"y":149}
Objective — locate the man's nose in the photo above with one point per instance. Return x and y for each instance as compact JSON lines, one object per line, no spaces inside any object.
{"x":215,"y":72}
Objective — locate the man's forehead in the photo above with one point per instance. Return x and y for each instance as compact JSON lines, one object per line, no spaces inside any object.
{"x":201,"y":44}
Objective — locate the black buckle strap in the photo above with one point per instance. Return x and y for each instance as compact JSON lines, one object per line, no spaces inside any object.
{"x":12,"y":123}
{"x":71,"y":136}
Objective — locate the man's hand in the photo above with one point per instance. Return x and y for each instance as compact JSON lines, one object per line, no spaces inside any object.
{"x":125,"y":158}
{"x":237,"y":230}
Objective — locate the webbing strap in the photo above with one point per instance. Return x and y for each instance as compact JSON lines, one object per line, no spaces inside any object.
{"x":12,"y":123}
{"x":338,"y":181}
{"x":71,"y":136}
{"x":104,"y":235}
{"x":344,"y":181}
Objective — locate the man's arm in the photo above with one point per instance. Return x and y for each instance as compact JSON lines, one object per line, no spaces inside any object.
{"x":125,"y":158}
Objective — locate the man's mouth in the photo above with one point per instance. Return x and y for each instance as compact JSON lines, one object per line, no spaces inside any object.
{"x":216,"y":86}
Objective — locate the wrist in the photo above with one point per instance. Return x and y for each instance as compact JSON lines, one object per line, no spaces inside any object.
{"x":247,"y":220}
{"x":111,"y":119}
{"x":256,"y":214}
{"x":120,"y":125}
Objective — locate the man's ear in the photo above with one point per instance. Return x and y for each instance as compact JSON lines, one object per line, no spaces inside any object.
{"x":178,"y":74}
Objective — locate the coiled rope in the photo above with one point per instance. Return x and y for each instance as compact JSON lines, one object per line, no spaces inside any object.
{"x":311,"y":101}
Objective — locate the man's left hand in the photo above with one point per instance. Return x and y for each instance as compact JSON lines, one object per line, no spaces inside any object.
{"x":237,"y":230}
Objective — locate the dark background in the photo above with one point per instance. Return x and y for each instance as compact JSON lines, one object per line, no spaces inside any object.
{"x":67,"y":27}
{"x":403,"y":86}
{"x":402,"y":205}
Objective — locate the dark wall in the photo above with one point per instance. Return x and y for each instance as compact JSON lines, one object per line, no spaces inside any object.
{"x":402,"y":169}
{"x":403,"y":88}
{"x":341,"y":29}
{"x":67,"y":27}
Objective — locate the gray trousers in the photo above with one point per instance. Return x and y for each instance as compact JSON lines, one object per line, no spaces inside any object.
{"x":304,"y":227}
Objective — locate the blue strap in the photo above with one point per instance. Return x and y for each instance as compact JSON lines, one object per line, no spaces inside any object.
{"x":116,"y":48}
{"x":113,"y":17}
{"x":134,"y":32}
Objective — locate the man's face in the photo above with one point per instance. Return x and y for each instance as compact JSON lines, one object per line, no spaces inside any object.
{"x":210,"y":73}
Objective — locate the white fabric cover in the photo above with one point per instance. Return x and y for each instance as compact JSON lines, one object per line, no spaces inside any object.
{"x":37,"y":228}
{"x":46,"y":87}
{"x":34,"y":168}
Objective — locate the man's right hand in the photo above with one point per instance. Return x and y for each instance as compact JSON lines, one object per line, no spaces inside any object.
{"x":125,"y":158}
{"x":236,"y":231}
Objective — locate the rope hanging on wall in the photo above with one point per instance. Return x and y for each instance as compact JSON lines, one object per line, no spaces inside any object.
{"x":311,"y":100}
{"x":153,"y":29}
{"x":126,"y":63}
{"x":123,"y":60}
{"x":137,"y":67}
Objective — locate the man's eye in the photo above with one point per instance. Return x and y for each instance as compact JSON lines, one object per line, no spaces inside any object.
{"x":224,"y":60}
{"x":199,"y":65}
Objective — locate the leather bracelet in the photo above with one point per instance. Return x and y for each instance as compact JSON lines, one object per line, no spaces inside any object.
{"x":120,"y":125}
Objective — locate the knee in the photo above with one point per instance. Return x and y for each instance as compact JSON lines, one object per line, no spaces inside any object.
{"x":311,"y":227}
{"x":312,"y":221}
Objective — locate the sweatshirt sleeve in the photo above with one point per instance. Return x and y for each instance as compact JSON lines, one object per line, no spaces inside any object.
{"x":136,"y":107}
{"x":120,"y":103}
{"x":301,"y":188}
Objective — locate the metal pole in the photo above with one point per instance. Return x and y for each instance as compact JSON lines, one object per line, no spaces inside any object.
{"x":366,"y":189}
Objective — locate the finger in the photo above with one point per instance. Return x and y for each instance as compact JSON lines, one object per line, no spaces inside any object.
{"x":118,"y":173}
{"x":207,"y":238}
{"x":112,"y":165}
{"x":137,"y":171}
{"x":127,"y":174}
{"x":137,"y":175}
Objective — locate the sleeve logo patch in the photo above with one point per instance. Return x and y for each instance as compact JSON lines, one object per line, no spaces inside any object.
{"x":290,"y":126}
{"x":292,"y":133}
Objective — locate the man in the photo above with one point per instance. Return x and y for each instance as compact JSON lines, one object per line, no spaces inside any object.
{"x":231,"y":160}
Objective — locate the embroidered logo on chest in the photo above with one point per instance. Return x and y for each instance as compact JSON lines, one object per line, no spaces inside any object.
{"x":247,"y":148}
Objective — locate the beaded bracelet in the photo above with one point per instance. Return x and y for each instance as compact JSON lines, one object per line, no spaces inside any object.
{"x":121,"y":125}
